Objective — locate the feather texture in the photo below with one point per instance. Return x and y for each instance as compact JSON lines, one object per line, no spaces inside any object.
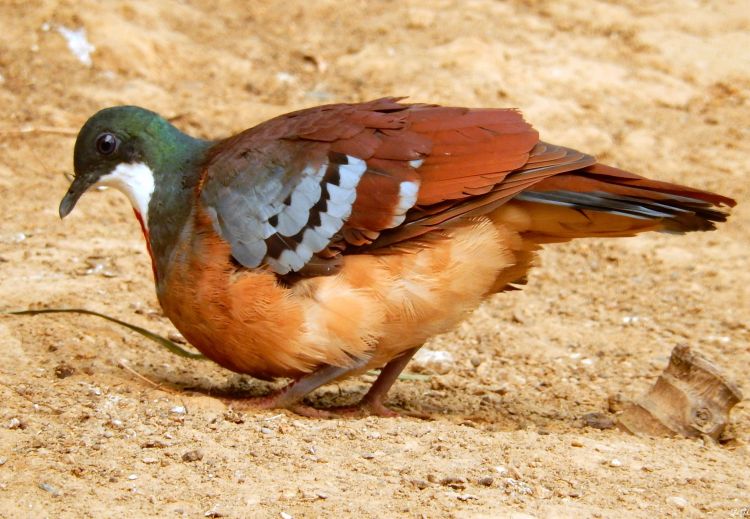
{"x":339,"y":179}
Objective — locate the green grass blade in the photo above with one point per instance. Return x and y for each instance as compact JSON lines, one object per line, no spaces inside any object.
{"x":163,"y":341}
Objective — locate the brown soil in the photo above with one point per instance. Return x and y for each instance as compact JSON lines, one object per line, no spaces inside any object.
{"x":89,"y":426}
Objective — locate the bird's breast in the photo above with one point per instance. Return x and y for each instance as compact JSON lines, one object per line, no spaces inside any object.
{"x":375,"y":308}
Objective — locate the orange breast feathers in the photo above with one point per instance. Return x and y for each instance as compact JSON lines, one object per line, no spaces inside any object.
{"x":375,"y":308}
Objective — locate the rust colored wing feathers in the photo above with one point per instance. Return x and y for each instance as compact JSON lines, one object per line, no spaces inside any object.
{"x":425,"y":167}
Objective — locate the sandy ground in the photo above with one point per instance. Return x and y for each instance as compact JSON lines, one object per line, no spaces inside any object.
{"x":98,"y":422}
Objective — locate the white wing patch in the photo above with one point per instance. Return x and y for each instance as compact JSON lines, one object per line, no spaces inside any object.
{"x":416,"y":164}
{"x":136,"y":181}
{"x":306,"y":194}
{"x":407,"y":197}
{"x":294,"y":219}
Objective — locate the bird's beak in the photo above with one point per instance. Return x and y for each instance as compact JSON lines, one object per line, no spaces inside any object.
{"x":79,"y":186}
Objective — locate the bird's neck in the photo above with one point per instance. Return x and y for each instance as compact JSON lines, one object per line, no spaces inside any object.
{"x":172,"y":200}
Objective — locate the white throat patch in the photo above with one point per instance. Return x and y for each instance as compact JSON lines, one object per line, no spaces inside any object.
{"x":136,"y":181}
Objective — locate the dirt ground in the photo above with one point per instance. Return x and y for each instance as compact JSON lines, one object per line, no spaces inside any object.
{"x":98,"y":422}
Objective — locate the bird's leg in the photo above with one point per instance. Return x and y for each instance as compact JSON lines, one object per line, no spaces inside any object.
{"x":290,"y":396}
{"x":372,"y":402}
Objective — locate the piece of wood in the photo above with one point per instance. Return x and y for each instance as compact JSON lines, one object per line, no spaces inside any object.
{"x":691,"y":398}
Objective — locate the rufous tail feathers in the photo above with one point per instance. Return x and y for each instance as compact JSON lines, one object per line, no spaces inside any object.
{"x":604,"y":201}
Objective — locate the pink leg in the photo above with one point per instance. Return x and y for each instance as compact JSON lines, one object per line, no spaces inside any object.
{"x":290,"y":397}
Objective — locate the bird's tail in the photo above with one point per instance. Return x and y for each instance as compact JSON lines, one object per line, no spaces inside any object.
{"x":604,"y":201}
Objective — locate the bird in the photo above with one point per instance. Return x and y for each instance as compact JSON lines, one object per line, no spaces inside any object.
{"x":334,"y":240}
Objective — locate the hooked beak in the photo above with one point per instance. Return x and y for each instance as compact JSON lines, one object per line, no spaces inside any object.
{"x":79,"y":186}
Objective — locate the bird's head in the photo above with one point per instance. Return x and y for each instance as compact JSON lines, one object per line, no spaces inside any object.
{"x":125,"y":147}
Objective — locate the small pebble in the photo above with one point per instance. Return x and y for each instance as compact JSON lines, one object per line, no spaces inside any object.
{"x":154,"y":444}
{"x":615,"y":463}
{"x":234,"y":417}
{"x":64,"y":370}
{"x":178,"y":409}
{"x":149,"y":461}
{"x":453,"y":482}
{"x":598,"y":421}
{"x":486,"y":481}
{"x":195,"y":455}
{"x":576,"y":443}
{"x":285,"y":515}
{"x":678,"y":501}
{"x":49,"y":488}
{"x":133,"y":477}
{"x":465,"y":497}
{"x":266,"y":430}
{"x":14,"y":423}
{"x":3,"y":461}
{"x":421,"y":484}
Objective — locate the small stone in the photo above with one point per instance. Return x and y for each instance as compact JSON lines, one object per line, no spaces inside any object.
{"x":576,"y":443}
{"x":465,"y":497}
{"x":678,"y":501}
{"x":421,"y":484}
{"x":194,"y":455}
{"x":234,"y":417}
{"x":213,"y":512}
{"x":133,"y":477}
{"x":178,"y":409}
{"x":285,"y":515}
{"x":454,"y":482}
{"x":64,"y":370}
{"x":486,"y":481}
{"x":15,"y":423}
{"x":49,"y":488}
{"x":266,"y":430}
{"x":434,"y":360}
{"x":615,"y":463}
{"x":598,"y":421}
{"x":154,"y":444}
{"x":149,"y":461}
{"x":3,"y":461}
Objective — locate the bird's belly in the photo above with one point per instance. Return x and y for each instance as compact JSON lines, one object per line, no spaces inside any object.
{"x":376,"y":307}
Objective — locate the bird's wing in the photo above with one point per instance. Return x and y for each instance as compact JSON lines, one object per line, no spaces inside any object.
{"x":308,"y":185}
{"x":296,"y":192}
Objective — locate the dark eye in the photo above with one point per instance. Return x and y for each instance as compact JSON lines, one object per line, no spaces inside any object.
{"x":106,"y":143}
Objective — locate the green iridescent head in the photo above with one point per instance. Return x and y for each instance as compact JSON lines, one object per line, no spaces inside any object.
{"x":125,"y":147}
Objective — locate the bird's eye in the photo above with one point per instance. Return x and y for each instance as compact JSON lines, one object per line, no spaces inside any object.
{"x":106,"y":143}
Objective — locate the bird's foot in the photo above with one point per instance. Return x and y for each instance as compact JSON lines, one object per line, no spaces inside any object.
{"x":275,"y":400}
{"x":367,"y":407}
